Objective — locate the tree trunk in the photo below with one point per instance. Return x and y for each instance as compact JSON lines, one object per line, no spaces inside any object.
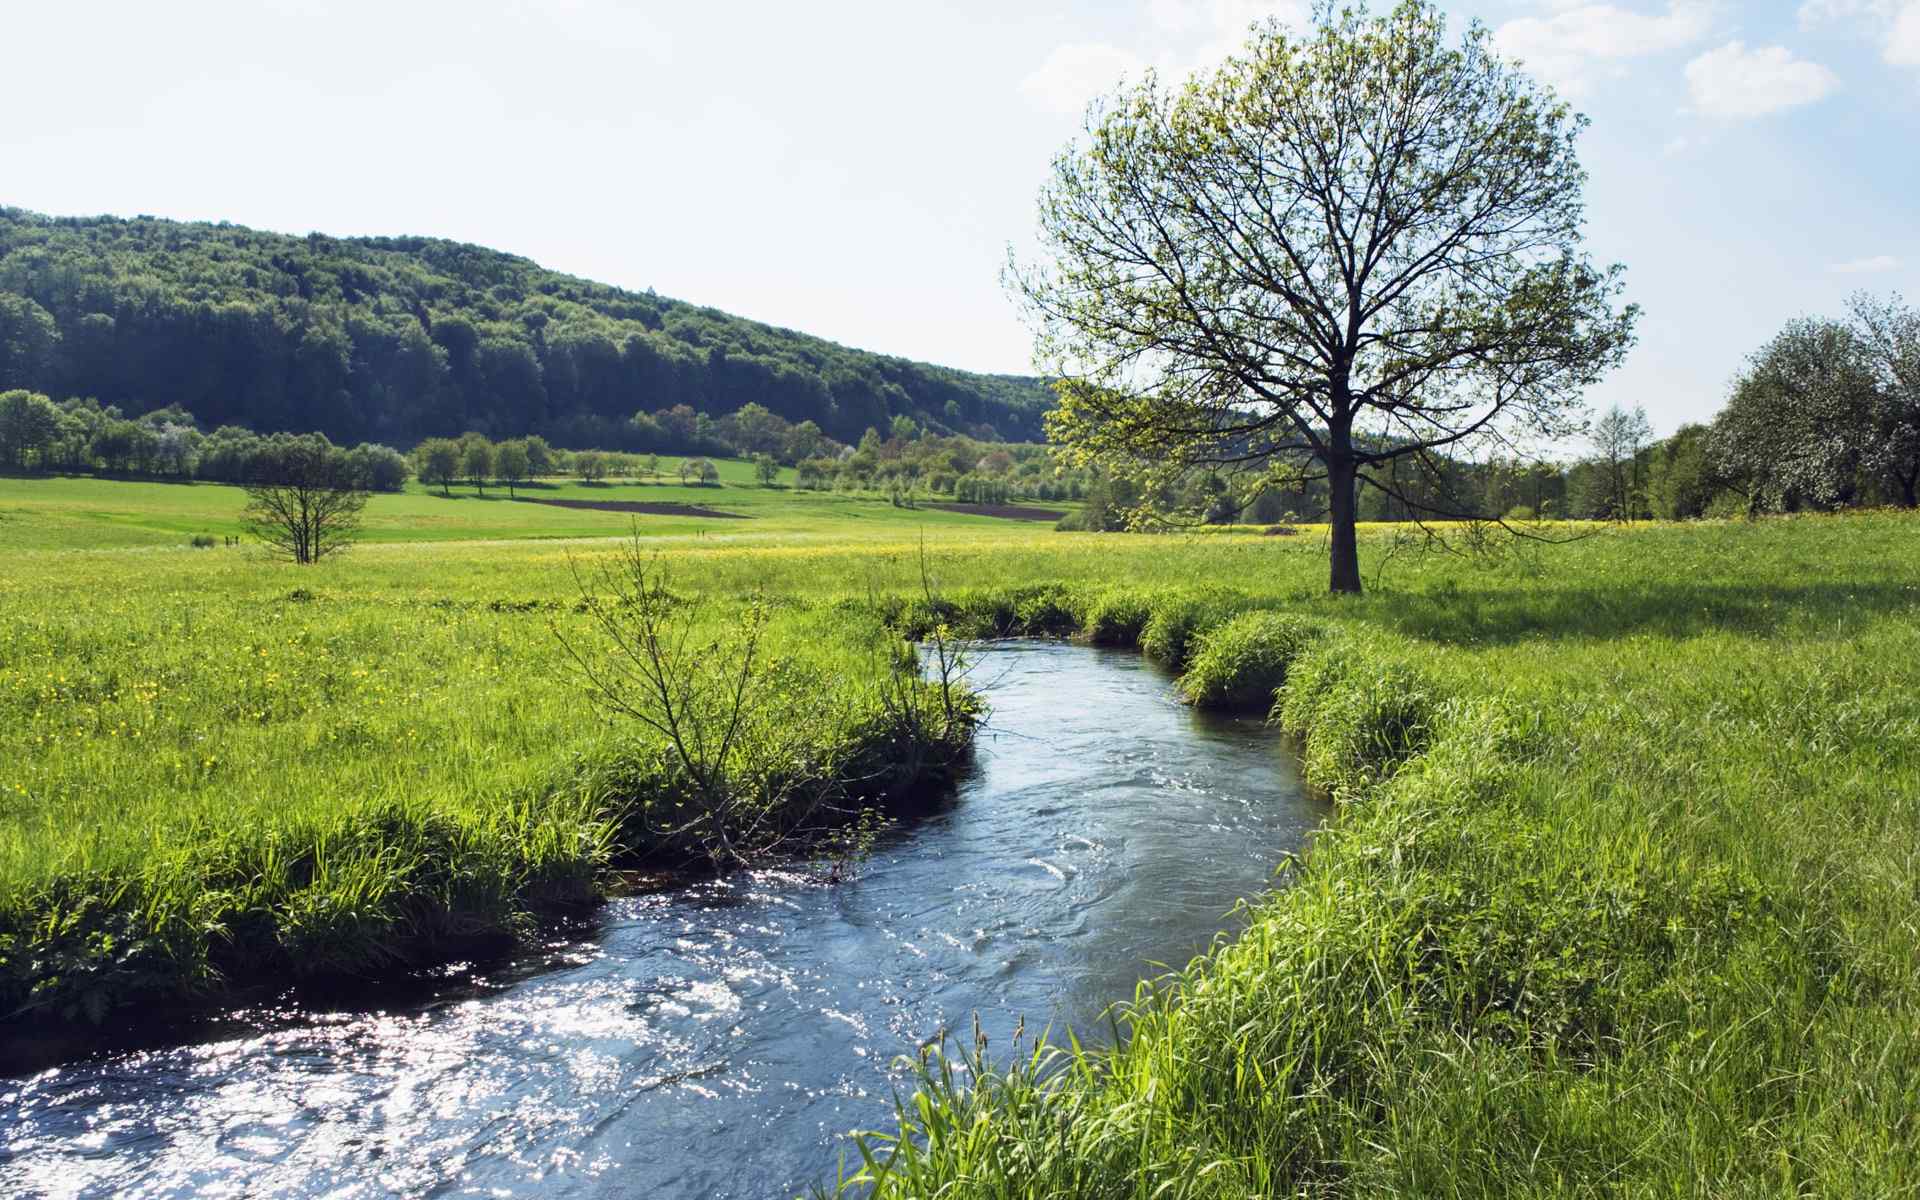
{"x":1345,"y":573}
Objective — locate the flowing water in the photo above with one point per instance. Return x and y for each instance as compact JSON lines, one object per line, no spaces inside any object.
{"x":719,"y":1041}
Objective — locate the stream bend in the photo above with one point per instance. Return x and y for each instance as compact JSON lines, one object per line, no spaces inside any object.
{"x":720,"y":1040}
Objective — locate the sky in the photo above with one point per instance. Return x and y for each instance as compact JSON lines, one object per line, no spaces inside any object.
{"x":862,"y":170}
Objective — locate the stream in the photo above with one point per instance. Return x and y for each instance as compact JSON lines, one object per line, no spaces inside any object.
{"x":720,"y":1040}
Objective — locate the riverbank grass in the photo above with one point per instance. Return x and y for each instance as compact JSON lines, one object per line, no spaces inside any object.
{"x":1623,"y":898}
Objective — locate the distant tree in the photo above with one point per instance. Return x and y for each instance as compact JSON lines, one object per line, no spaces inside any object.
{"x":29,"y":423}
{"x":116,"y":444}
{"x":476,"y":461}
{"x":1360,"y":244}
{"x":698,"y":470}
{"x":814,"y":474}
{"x":1111,"y":501}
{"x":512,"y":464}
{"x":804,"y":441}
{"x":651,"y":465}
{"x":378,"y":468}
{"x":176,"y":449}
{"x":1618,"y":437}
{"x":303,"y":502}
{"x":1681,"y":483}
{"x":765,"y":469}
{"x":758,"y":430}
{"x":1799,"y":425}
{"x":539,"y":457}
{"x":590,"y":465}
{"x":904,"y":428}
{"x":1889,"y":334}
{"x":437,"y":460}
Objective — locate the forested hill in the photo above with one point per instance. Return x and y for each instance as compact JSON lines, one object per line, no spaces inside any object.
{"x":396,"y":339}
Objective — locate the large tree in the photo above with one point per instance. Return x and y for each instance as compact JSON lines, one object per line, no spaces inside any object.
{"x":1798,"y":430}
{"x":1342,"y":249}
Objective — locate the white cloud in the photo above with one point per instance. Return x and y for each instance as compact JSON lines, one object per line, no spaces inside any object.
{"x":1903,"y":40}
{"x":1074,"y":74}
{"x":1583,"y":42}
{"x":1896,"y":22}
{"x":1736,"y":82}
{"x":1876,"y":265}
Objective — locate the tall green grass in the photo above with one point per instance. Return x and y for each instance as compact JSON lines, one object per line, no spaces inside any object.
{"x":210,"y":784}
{"x":1622,"y":896}
{"x":1628,"y":904}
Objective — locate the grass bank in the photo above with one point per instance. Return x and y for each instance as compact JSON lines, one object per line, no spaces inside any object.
{"x":212,"y":778}
{"x":1623,"y":897}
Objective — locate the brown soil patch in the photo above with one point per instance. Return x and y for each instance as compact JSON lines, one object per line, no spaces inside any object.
{"x":643,"y":507}
{"x":1010,"y":512}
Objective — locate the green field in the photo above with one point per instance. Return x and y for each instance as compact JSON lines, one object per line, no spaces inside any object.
{"x":84,"y":513}
{"x":1623,"y":896}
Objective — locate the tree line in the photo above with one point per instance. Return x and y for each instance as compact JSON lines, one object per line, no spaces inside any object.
{"x":40,"y":436}
{"x":1825,"y":416}
{"x":399,"y":339}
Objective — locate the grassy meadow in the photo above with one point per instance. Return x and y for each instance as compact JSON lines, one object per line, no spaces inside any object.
{"x":86,"y":513}
{"x":1622,"y":897}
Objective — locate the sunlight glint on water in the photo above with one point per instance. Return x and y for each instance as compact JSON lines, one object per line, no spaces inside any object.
{"x":720,"y":1041}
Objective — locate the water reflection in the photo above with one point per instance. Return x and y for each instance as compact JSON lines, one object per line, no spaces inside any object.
{"x":721,"y":1040}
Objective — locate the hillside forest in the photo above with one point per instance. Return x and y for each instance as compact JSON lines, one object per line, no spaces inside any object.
{"x":398,"y":339}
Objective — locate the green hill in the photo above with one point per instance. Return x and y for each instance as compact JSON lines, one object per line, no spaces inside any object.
{"x":396,"y":339}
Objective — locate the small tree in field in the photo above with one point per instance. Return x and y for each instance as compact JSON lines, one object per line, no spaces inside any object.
{"x":476,"y":461}
{"x":590,"y":466}
{"x":765,"y":469}
{"x":651,"y":465}
{"x":1343,"y":249}
{"x":304,"y":501}
{"x":511,"y":463}
{"x":539,"y":456}
{"x":437,"y":460}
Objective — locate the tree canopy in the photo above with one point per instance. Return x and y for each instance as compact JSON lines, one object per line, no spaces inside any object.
{"x":1826,"y":411}
{"x":1357,"y":246}
{"x":400,"y":339}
